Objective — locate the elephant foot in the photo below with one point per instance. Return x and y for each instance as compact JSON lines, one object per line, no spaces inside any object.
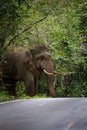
{"x":52,"y":92}
{"x":30,"y":92}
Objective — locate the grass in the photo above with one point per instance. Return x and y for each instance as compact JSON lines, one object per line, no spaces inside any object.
{"x":5,"y":97}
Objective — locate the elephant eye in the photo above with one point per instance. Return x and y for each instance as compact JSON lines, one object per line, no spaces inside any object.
{"x":38,"y":57}
{"x":41,"y":57}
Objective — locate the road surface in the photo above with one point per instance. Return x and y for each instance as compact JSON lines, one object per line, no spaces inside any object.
{"x":44,"y":114}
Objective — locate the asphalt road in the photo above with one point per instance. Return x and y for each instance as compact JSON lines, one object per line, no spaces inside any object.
{"x":44,"y":114}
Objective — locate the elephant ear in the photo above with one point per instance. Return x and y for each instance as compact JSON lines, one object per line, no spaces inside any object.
{"x":28,"y":59}
{"x":30,"y":65}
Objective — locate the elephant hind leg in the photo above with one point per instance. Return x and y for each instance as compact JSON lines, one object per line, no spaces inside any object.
{"x":11,"y":89}
{"x":10,"y":85}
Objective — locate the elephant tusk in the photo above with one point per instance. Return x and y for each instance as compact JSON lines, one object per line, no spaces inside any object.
{"x":54,"y":72}
{"x":57,"y":73}
{"x":46,"y":72}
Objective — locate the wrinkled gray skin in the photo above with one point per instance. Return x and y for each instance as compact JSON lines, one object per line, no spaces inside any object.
{"x":27,"y":66}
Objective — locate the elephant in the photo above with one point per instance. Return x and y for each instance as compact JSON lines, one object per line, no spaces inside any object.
{"x":26,"y":66}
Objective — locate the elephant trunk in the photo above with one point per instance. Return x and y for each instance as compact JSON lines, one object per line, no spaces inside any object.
{"x":47,"y":68}
{"x":50,"y":85}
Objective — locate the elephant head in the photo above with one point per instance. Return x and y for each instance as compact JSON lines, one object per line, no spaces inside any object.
{"x":43,"y":62}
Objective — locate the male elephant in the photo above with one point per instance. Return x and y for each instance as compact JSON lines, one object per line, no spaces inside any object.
{"x":26,"y":66}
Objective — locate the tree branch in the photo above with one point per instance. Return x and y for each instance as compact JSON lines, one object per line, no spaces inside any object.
{"x":24,"y":30}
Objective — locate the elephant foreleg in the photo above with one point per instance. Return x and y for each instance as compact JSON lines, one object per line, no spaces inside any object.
{"x":36,"y":85}
{"x":29,"y":83}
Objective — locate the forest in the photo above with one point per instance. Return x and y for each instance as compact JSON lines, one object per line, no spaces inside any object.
{"x":61,"y":25}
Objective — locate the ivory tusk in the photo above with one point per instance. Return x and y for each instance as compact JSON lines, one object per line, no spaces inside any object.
{"x":54,"y":72}
{"x":46,"y":72}
{"x":57,"y":73}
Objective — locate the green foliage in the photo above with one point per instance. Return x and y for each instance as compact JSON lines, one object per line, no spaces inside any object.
{"x":42,"y":85}
{"x":20,"y":90}
{"x":67,"y":49}
{"x":40,"y":96}
{"x":64,"y":31}
{"x":4,"y":96}
{"x":9,"y":18}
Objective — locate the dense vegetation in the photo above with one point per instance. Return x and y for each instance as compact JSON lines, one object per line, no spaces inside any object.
{"x":59,"y":24}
